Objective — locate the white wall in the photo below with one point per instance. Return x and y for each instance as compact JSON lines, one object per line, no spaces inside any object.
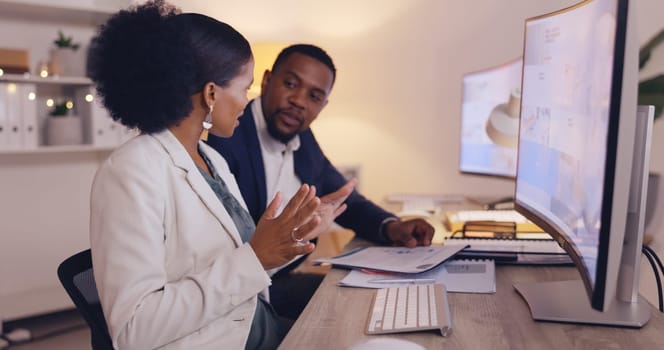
{"x":396,"y":104}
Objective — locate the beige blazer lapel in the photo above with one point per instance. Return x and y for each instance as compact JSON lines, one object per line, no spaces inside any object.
{"x":198,"y":184}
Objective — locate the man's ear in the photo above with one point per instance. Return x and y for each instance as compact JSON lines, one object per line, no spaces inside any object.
{"x":267,"y":75}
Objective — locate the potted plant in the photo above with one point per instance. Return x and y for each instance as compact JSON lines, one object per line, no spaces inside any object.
{"x":66,"y":59}
{"x":63,"y":127}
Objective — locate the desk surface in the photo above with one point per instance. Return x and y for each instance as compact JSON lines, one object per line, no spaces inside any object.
{"x":336,"y":319}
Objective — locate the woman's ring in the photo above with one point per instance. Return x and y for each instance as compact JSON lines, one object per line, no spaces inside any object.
{"x":292,"y":236}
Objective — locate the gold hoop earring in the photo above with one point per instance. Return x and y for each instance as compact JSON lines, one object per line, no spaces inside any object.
{"x":207,"y":124}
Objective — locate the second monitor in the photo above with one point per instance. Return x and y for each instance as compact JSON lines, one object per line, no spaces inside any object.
{"x":490,"y":120}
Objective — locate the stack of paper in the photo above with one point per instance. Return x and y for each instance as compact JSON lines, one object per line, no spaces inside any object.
{"x":383,"y":267}
{"x":462,"y":276}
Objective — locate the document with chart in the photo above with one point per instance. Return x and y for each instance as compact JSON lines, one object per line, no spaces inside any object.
{"x":460,"y":276}
{"x":394,"y":259}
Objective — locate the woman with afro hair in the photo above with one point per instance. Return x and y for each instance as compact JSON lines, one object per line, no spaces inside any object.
{"x":178,"y":262}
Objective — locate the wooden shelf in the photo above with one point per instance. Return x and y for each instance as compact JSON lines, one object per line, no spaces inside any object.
{"x":90,"y":12}
{"x":54,"y":80}
{"x":57,"y":149}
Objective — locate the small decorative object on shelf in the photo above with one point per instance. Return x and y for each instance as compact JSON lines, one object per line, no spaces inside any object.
{"x":14,"y":61}
{"x":42,"y":69}
{"x":66,"y":59}
{"x":65,"y":41}
{"x":62,"y":127}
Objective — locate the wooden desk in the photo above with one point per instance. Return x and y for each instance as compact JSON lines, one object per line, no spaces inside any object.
{"x":336,"y":319}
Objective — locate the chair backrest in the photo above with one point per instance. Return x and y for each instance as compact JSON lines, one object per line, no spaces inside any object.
{"x":76,"y":276}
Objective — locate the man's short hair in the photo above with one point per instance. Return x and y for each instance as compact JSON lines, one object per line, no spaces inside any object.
{"x":312,"y":51}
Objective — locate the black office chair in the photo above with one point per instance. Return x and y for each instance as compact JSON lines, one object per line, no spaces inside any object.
{"x":75,"y":274}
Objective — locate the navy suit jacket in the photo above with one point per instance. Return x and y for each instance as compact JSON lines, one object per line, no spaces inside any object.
{"x":243,"y":153}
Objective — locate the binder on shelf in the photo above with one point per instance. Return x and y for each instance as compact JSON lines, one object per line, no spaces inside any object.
{"x":13,"y":117}
{"x":29,"y":126}
{"x":100,"y":129}
{"x":3,"y":117}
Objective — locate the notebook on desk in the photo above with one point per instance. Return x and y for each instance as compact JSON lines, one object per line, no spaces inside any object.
{"x":455,"y":220}
{"x":512,"y":251}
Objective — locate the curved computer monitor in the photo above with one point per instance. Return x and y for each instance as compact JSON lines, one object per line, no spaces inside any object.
{"x":490,"y":120}
{"x":580,"y":142}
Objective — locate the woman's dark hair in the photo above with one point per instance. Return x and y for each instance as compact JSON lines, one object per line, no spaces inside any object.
{"x":149,"y":60}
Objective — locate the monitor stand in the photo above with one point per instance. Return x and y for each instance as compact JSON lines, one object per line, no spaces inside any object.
{"x":568,"y":301}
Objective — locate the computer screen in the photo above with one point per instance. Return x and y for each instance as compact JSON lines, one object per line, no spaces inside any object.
{"x":576,"y":148}
{"x":490,"y":120}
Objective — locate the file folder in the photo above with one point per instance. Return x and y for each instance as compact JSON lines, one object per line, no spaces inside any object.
{"x":4,"y":119}
{"x":13,"y":117}
{"x":29,"y":126}
{"x":100,"y":129}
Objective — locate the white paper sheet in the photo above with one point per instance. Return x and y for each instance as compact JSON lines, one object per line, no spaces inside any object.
{"x":395,"y":259}
{"x":461,"y":276}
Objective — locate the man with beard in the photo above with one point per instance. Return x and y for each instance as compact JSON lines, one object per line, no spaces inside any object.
{"x":274,"y":150}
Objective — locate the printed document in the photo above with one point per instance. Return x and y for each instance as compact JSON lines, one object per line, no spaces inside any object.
{"x":395,"y":259}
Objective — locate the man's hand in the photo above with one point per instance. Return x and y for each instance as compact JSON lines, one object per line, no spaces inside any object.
{"x":331,"y":206}
{"x":410,"y":233}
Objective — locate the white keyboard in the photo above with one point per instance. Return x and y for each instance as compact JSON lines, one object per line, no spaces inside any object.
{"x":407,"y":309}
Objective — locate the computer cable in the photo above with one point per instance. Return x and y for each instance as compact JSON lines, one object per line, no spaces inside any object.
{"x":58,"y":332}
{"x":657,"y":259}
{"x":654,"y":255}
{"x":647,"y":252}
{"x":16,"y":336}
{"x":22,"y":336}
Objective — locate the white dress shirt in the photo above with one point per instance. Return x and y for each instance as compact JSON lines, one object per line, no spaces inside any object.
{"x":278,"y":164}
{"x":277,"y":160}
